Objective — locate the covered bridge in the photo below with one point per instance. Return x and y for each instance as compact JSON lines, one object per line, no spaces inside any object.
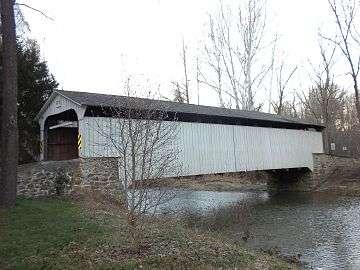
{"x":211,"y":139}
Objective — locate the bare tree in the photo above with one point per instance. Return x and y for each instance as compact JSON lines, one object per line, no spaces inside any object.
{"x":348,"y":39}
{"x":178,"y":93}
{"x":282,"y":83}
{"x":251,"y":25}
{"x":198,"y":80}
{"x":235,"y":44}
{"x":21,"y":17}
{"x":325,"y":101}
{"x":348,"y":133}
{"x":181,"y":90}
{"x":292,"y":108}
{"x":142,"y":135}
{"x":186,"y":82}
{"x":213,"y":52}
{"x":228,"y":56}
{"x":348,"y":117}
{"x":269,"y":87}
{"x":9,"y":132}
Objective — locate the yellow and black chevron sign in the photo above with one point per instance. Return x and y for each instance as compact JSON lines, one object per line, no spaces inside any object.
{"x":79,"y":141}
{"x":41,"y":148}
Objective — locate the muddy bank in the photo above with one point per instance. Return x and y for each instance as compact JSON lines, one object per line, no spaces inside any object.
{"x":340,"y":180}
{"x":330,"y":174}
{"x":220,"y":182}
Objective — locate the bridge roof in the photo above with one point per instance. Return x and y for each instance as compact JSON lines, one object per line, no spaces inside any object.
{"x":254,"y":117}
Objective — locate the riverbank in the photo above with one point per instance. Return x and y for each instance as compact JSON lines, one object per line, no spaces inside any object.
{"x":63,"y":234}
{"x":240,"y":181}
{"x":344,"y":181}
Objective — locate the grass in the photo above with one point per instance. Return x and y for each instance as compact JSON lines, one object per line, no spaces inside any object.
{"x":61,"y":234}
{"x":35,"y":233}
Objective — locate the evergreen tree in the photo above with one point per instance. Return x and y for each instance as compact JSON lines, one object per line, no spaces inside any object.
{"x":35,"y":84}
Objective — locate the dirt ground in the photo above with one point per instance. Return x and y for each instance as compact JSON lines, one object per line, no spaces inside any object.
{"x":220,"y":182}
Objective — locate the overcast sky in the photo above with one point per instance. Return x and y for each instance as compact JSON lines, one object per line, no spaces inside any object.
{"x":91,"y":45}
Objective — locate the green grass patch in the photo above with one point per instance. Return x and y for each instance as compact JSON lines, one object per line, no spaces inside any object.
{"x":35,"y":233}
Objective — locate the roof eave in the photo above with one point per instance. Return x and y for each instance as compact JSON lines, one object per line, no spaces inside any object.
{"x":49,"y":100}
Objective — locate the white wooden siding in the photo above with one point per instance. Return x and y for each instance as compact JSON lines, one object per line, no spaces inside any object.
{"x":58,"y":105}
{"x":213,"y":148}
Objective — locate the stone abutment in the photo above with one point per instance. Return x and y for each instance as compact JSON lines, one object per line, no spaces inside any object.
{"x":48,"y":178}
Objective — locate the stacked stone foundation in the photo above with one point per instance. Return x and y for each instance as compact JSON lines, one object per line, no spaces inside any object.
{"x":303,"y":179}
{"x":329,"y":168}
{"x":49,"y":178}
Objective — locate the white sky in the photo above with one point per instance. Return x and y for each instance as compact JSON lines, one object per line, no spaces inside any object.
{"x":91,"y":45}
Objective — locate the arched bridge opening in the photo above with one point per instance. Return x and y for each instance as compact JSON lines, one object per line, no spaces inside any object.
{"x":61,"y":132}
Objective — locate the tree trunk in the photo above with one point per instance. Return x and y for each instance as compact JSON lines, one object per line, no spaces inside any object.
{"x":9,"y":132}
{"x":135,"y":233}
{"x":357,"y":99}
{"x":357,"y":102}
{"x":326,"y":140}
{"x":186,"y":75}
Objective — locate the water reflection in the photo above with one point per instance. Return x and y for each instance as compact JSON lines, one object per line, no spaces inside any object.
{"x":323,"y":228}
{"x":204,"y":201}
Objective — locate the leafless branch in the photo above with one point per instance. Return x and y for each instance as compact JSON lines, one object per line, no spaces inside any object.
{"x":232,"y":51}
{"x":344,"y":15}
{"x":142,"y":137}
{"x":36,"y":10}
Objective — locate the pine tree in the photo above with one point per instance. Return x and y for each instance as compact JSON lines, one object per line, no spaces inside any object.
{"x":35,"y":84}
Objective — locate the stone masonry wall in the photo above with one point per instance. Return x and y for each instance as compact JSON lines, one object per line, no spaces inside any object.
{"x":100,"y":174}
{"x":48,"y":178}
{"x":330,"y":173}
{"x":327,"y":167}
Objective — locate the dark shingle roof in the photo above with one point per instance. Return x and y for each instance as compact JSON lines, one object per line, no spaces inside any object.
{"x":94,"y":99}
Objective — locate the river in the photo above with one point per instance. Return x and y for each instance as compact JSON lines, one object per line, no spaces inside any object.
{"x":323,"y":228}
